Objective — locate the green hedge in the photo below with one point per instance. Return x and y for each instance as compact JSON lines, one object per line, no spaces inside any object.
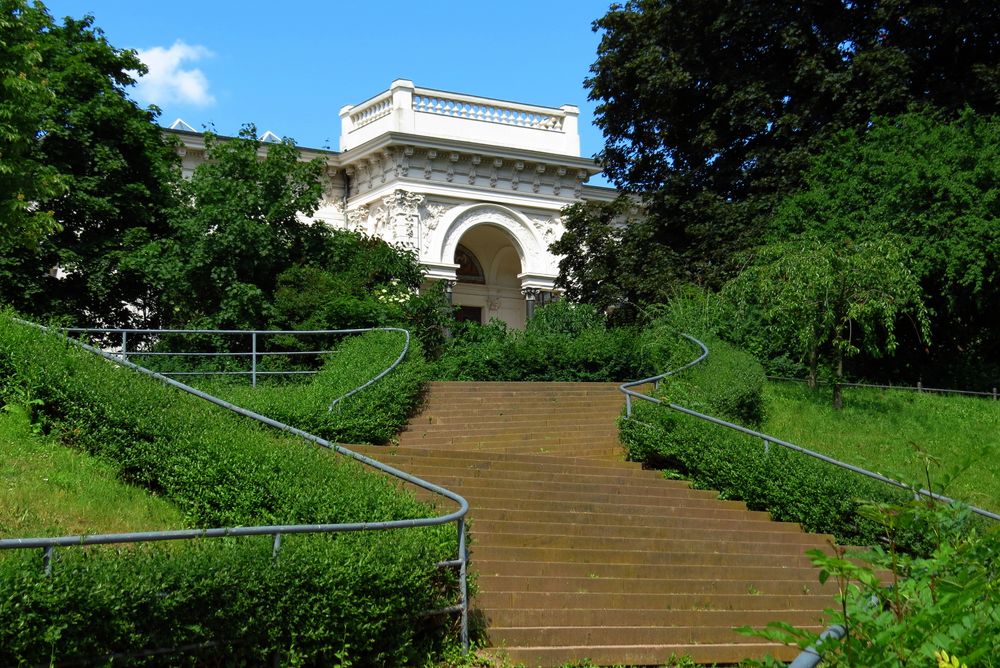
{"x":374,"y":415}
{"x":220,"y":470}
{"x":562,"y":342}
{"x":792,"y":487}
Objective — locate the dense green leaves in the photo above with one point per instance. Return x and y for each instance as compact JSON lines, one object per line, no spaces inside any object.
{"x":95,"y":165}
{"x":711,"y":111}
{"x":828,"y":301}
{"x":561,"y":342}
{"x":935,"y":185}
{"x":791,"y":487}
{"x":361,"y":595}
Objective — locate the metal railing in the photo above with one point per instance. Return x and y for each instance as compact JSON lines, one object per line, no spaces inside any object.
{"x":49,"y":544}
{"x":767,"y":439}
{"x":919,"y":387}
{"x":810,"y":657}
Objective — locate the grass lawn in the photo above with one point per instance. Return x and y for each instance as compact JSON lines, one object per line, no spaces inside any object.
{"x":47,"y":489}
{"x":886,"y":430}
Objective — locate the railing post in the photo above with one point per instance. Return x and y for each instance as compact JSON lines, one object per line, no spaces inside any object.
{"x":124,"y":345}
{"x":276,"y":546}
{"x":994,"y":394}
{"x":628,"y":405}
{"x":47,"y":554}
{"x":463,"y":584}
{"x":253,"y":360}
{"x":767,"y":447}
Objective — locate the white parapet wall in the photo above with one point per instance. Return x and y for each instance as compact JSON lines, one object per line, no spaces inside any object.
{"x":404,"y":108}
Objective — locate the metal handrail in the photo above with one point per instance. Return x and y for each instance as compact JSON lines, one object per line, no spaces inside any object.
{"x":809,"y":657}
{"x":48,"y":544}
{"x":919,"y":387}
{"x":767,"y":438}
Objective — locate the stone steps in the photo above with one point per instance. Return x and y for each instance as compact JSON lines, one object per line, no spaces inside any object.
{"x":581,"y":555}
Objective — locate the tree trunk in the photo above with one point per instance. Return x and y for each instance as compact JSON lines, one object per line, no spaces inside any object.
{"x":811,"y":378}
{"x":838,"y":399}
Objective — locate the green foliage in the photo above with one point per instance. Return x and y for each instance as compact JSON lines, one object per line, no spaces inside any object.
{"x":944,"y":602}
{"x":374,"y":415}
{"x":101,"y":169}
{"x":935,"y":185}
{"x":828,"y":301}
{"x":361,"y":594}
{"x":355,"y":597}
{"x":562,"y":342}
{"x":710,"y":112}
{"x":25,"y":178}
{"x":894,"y":431}
{"x":55,"y":491}
{"x":728,"y":385}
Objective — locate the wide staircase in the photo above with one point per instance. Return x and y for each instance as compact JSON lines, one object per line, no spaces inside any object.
{"x":581,"y":555}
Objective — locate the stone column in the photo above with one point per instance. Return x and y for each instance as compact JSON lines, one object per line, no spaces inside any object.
{"x":530,"y":294}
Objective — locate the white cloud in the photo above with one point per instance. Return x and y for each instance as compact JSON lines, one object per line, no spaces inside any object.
{"x":167,"y":83}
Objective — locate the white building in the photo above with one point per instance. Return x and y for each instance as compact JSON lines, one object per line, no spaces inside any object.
{"x":474,"y":186}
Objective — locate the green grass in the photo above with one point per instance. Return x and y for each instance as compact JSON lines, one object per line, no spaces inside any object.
{"x":47,"y":489}
{"x":888,"y":430}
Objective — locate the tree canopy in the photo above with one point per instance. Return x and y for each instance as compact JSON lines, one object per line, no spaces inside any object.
{"x":101,"y":176}
{"x":935,"y":185}
{"x":711,"y":110}
{"x":828,"y":301}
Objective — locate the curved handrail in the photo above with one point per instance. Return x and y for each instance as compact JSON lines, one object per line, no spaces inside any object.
{"x":48,"y":543}
{"x":626,"y":388}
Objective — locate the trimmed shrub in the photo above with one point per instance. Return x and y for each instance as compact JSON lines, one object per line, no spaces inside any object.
{"x":792,"y":487}
{"x":220,"y":470}
{"x":374,"y":415}
{"x":562,"y":342}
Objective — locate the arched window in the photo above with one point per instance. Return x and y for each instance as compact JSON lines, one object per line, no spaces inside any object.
{"x":469,"y":270}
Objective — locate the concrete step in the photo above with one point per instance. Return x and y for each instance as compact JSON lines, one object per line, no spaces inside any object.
{"x":733,"y":558}
{"x":581,"y":555}
{"x":657,"y":654}
{"x":519,"y":617}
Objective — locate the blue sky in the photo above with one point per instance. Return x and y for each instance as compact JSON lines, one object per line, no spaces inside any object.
{"x":290,"y":66}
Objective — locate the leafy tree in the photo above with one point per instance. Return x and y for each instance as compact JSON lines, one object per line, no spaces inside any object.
{"x":934,"y":184}
{"x":829,"y":301}
{"x":242,"y":224}
{"x":106,"y":175}
{"x":242,"y":253}
{"x":24,"y":98}
{"x":710,"y":110}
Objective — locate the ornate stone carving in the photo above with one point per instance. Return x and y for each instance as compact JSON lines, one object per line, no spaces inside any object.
{"x":581,"y":176}
{"x":452,"y":159}
{"x":515,"y":180}
{"x":495,"y":172}
{"x":536,"y":185}
{"x":429,"y":164}
{"x":475,"y":160}
{"x":493,"y":303}
{"x":432,"y":216}
{"x":398,"y":216}
{"x":357,"y":218}
{"x":557,"y":186}
{"x":500,"y":218}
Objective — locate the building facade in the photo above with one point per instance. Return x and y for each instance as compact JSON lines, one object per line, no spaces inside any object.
{"x":473,"y":186}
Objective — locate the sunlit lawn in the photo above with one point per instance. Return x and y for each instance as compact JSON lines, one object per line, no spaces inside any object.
{"x":47,"y":489}
{"x":887,"y":430}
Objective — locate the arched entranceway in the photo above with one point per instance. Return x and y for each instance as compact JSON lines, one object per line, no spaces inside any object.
{"x":488,"y":283}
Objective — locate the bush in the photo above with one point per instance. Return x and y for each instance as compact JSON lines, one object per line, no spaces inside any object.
{"x":792,"y":487}
{"x":938,"y":607}
{"x":562,"y":342}
{"x":220,"y":470}
{"x":356,"y":597}
{"x":374,"y":415}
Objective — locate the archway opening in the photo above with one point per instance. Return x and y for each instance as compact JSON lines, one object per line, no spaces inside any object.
{"x":487,"y":284}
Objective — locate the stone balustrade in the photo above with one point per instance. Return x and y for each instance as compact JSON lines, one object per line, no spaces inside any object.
{"x":404,"y":108}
